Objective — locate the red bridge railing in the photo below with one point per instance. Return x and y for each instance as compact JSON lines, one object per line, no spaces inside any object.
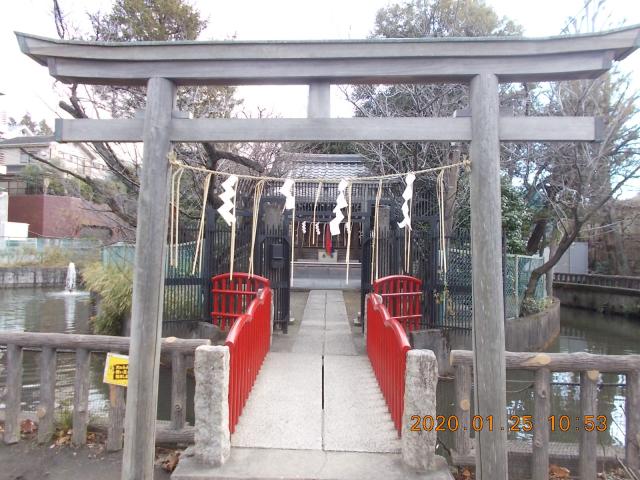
{"x":402,"y":296}
{"x":231,"y":297}
{"x":387,"y":347}
{"x":248,"y":342}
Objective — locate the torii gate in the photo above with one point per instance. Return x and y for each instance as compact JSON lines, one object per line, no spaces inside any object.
{"x":481,"y":62}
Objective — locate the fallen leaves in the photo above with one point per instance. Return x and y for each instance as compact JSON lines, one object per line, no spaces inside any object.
{"x":28,"y":427}
{"x":465,"y":473}
{"x":557,"y":472}
{"x":167,"y":458}
{"x":62,"y":437}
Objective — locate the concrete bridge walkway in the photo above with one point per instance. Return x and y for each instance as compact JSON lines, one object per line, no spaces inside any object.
{"x":315,"y":412}
{"x":321,"y":395}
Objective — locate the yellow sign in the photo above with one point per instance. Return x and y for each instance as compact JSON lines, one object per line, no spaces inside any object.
{"x":116,"y":369}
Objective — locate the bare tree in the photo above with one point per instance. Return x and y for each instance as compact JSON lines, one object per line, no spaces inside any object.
{"x":179,"y":22}
{"x":416,"y":19}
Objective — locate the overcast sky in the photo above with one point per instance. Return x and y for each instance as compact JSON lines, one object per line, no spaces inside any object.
{"x":27,"y":86}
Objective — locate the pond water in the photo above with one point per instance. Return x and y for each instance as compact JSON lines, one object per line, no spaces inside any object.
{"x":580,"y":331}
{"x":46,"y":310}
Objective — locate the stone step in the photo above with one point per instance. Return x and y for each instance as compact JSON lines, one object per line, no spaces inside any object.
{"x":271,"y":464}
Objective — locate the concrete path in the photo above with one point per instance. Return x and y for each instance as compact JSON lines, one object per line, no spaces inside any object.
{"x":321,"y":395}
{"x":272,"y":464}
{"x":284,"y":409}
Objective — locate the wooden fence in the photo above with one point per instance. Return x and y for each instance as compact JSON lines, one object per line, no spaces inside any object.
{"x":48,"y":344}
{"x":615,"y":281}
{"x":590,"y":366}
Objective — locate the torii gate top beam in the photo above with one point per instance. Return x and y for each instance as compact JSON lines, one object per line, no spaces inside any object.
{"x":425,"y":60}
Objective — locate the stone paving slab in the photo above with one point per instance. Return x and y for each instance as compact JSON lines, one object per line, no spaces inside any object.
{"x":339,"y":343}
{"x":325,"y":329}
{"x":284,"y":409}
{"x":356,"y":418}
{"x":271,"y":464}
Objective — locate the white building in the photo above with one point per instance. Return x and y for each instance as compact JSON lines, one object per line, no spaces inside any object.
{"x":76,"y":158}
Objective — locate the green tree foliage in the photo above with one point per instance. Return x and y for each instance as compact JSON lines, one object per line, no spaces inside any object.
{"x":516,"y":217}
{"x":135,"y":20}
{"x":37,"y":128}
{"x":441,"y":18}
{"x":517,"y":214}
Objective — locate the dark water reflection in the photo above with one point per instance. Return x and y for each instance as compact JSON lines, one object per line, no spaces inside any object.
{"x":47,"y":310}
{"x":581,"y":331}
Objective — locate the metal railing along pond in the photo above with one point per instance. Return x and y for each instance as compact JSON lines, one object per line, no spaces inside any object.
{"x":48,"y":346}
{"x":36,"y":250}
{"x":613,"y":281}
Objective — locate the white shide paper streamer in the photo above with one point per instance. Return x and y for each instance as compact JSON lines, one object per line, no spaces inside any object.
{"x":407,"y":195}
{"x":341,"y":202}
{"x":286,"y":190}
{"x":227,"y":197}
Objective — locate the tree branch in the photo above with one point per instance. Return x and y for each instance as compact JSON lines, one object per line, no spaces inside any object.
{"x":103,"y":149}
{"x":216,"y":154}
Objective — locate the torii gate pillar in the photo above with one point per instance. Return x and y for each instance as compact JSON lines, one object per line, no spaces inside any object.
{"x":148,"y":283}
{"x":488,"y":309}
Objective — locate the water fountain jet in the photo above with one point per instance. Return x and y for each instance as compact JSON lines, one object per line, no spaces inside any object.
{"x":70,"y":284}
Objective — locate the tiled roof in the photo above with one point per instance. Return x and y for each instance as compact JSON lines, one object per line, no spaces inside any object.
{"x":327,"y":166}
{"x":38,"y":140}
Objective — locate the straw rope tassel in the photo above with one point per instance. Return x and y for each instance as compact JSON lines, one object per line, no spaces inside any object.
{"x":172,"y":217}
{"x":374,"y":247}
{"x":197,"y":254}
{"x":257,"y":195}
{"x":349,"y":232}
{"x":234,"y":224}
{"x":175,"y":243}
{"x":407,"y":258}
{"x":293,"y":232}
{"x":443,"y":240}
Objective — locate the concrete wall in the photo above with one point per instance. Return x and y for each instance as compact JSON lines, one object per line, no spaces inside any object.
{"x":28,"y":209}
{"x":4,"y":207}
{"x":534,"y":332}
{"x":574,"y":260}
{"x":615,"y":300}
{"x":32,"y":277}
{"x":523,"y":334}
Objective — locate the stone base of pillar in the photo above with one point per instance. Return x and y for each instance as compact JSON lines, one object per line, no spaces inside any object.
{"x":421,"y":380}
